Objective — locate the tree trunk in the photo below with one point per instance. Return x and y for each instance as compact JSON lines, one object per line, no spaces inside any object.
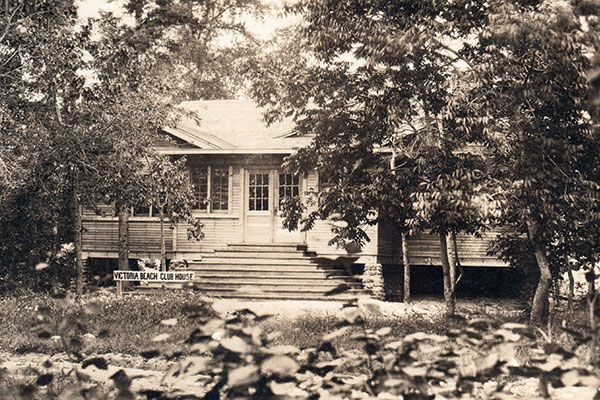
{"x":449,"y":298}
{"x":571,"y":293}
{"x":163,"y":247}
{"x":540,"y":299}
{"x":77,"y":228}
{"x":592,"y":299}
{"x":452,"y":261}
{"x":123,"y":238}
{"x":406,"y":286}
{"x":591,"y":296}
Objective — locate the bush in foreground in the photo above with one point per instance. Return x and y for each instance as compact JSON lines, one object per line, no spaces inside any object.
{"x":241,"y":355}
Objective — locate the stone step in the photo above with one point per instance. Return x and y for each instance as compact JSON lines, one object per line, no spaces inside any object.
{"x":267,"y":281}
{"x":286,"y":296}
{"x":242,"y":290}
{"x":235,"y":274}
{"x":258,"y":264}
{"x":308,"y":268}
{"x":263,"y":247}
{"x":228,"y":253}
{"x":252,"y":261}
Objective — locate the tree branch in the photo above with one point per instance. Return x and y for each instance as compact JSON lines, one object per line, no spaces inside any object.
{"x":9,"y":19}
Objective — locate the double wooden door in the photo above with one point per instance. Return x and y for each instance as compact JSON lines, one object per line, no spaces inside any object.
{"x":264,"y":192}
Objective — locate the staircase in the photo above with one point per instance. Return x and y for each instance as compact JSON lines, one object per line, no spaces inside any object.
{"x":273,"y":271}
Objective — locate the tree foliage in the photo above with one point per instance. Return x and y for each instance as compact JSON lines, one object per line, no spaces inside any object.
{"x":86,"y":99}
{"x":484,"y":107}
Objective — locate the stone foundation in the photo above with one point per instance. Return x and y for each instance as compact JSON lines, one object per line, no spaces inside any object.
{"x":372,"y":280}
{"x":393,"y":278}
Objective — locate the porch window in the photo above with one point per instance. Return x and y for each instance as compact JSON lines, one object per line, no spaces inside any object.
{"x":289,"y":186}
{"x":200,"y":181}
{"x":141,"y":211}
{"x":220,"y":189}
{"x":211,"y":185}
{"x":258,"y":187}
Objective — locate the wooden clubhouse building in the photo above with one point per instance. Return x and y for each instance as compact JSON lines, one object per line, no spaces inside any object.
{"x":235,"y":163}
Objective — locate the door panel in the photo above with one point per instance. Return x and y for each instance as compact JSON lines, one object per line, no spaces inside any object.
{"x":259,"y":203}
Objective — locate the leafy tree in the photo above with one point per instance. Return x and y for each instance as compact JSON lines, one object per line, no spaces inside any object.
{"x":84,"y":104}
{"x":38,"y":76}
{"x":170,"y":51}
{"x":527,"y":104}
{"x":169,"y":193}
{"x":377,"y":75}
{"x":486,"y":101}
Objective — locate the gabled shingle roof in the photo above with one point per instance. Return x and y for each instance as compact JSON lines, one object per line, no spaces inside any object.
{"x":235,"y":125}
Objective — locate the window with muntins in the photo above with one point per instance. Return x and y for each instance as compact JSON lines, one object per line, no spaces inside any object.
{"x":199,"y":177}
{"x":220,"y":188}
{"x":258,"y":188}
{"x":289,"y":186}
{"x":211,"y":186}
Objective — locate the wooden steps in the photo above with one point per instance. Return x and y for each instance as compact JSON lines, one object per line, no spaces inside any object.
{"x":268,"y":271}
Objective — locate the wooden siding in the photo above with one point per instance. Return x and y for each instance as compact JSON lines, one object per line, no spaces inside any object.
{"x":317,"y":239}
{"x":389,"y":244}
{"x":424,"y":249}
{"x":218,"y":231}
{"x":100,"y":236}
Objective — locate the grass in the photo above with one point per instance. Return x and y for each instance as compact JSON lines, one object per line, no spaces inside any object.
{"x":129,"y":324}
{"x":118,"y":324}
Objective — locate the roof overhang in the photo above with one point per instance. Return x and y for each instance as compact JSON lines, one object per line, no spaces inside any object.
{"x":199,"y":139}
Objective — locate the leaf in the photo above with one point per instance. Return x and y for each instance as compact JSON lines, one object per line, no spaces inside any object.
{"x":121,"y":380}
{"x":570,"y":378}
{"x":514,"y":325}
{"x":41,"y":266}
{"x":273,"y":335}
{"x":98,"y":362}
{"x":338,"y":224}
{"x":481,"y":323}
{"x":242,"y":376}
{"x":44,"y":334}
{"x":161,"y":337}
{"x":486,"y":363}
{"x":150,"y":354}
{"x":125,"y":394}
{"x":383,"y":331}
{"x":507,"y":335}
{"x":371,"y":348}
{"x":288,"y":390}
{"x":338,"y":332}
{"x":333,"y":363}
{"x":169,"y":322}
{"x":394,"y":345}
{"x":280,"y":365}
{"x":415,"y":371}
{"x":212,"y":326}
{"x":44,"y":380}
{"x":235,"y":344}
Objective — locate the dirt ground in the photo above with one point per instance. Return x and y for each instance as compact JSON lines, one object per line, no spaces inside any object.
{"x":421,"y":306}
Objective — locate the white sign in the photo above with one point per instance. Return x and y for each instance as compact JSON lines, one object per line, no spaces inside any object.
{"x":151,"y":276}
